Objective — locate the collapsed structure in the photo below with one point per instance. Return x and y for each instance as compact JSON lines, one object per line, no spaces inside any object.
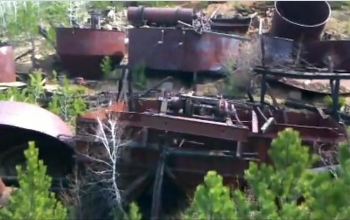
{"x":181,"y":136}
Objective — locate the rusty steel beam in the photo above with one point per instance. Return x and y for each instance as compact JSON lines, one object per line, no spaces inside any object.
{"x":301,"y":75}
{"x":300,"y":20}
{"x":307,"y":133}
{"x":186,"y":125}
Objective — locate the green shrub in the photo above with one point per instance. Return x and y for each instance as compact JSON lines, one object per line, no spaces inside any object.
{"x":33,"y":200}
{"x":276,"y":190}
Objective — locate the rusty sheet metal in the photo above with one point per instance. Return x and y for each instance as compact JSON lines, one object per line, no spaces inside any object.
{"x":230,"y":25}
{"x":161,"y":16}
{"x":7,"y":64}
{"x":181,"y":50}
{"x":278,"y":51}
{"x":28,"y":117}
{"x":315,"y":53}
{"x":189,"y":139}
{"x":82,"y":50}
{"x":316,"y":86}
{"x":300,"y":20}
{"x":181,"y":125}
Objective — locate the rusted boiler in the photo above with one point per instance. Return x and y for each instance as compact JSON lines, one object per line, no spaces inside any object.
{"x":81,"y":50}
{"x":22,"y":122}
{"x":180,"y":138}
{"x":300,"y":25}
{"x":181,"y":50}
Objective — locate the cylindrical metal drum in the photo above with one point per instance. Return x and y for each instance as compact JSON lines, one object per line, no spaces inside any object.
{"x":160,"y":16}
{"x":181,"y":50}
{"x":7,"y":64}
{"x":82,"y":50}
{"x":300,"y":20}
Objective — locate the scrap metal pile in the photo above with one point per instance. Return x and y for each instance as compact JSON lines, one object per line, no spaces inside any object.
{"x":180,"y":136}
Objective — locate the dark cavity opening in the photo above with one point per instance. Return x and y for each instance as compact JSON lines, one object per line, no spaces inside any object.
{"x":304,"y":12}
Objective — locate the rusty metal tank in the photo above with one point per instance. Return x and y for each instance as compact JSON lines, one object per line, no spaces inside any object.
{"x":181,"y":49}
{"x":316,"y":53}
{"x":22,"y":122}
{"x":278,"y":51}
{"x":300,"y":19}
{"x":82,"y":50}
{"x":7,"y":64}
{"x":161,"y":16}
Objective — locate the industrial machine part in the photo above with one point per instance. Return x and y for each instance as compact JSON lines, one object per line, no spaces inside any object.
{"x":182,"y":137}
{"x":7,"y":64}
{"x":301,"y":21}
{"x":231,"y":25}
{"x":81,"y":50}
{"x":141,"y":15}
{"x":22,"y":122}
{"x":316,"y":54}
{"x":181,"y":49}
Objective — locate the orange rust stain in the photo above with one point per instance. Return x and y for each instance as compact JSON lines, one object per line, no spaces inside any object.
{"x":101,"y":113}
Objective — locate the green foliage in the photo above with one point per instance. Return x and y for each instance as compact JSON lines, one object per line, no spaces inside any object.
{"x":139,"y":76}
{"x":134,"y":213}
{"x":329,"y":101}
{"x":283,"y":184}
{"x":33,"y":200}
{"x":35,"y":90}
{"x":212,"y":200}
{"x":107,"y":68}
{"x":22,"y":22}
{"x":103,"y":5}
{"x":157,"y":3}
{"x":33,"y":93}
{"x":339,"y":5}
{"x":67,"y":101}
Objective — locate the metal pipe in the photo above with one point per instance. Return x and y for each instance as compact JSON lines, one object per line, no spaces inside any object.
{"x":260,"y":26}
{"x":302,"y":19}
{"x":160,"y":16}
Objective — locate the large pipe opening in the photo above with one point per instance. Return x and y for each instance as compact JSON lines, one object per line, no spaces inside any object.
{"x":304,"y":13}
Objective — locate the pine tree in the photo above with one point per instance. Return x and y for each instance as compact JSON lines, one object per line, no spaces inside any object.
{"x":277,"y":189}
{"x":33,"y":200}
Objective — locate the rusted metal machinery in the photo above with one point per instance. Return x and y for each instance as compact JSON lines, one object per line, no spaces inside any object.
{"x":304,"y":20}
{"x":182,"y":50}
{"x":20,"y":123}
{"x":294,"y":41}
{"x":170,"y":17}
{"x":141,"y":15}
{"x":81,"y":50}
{"x":7,"y":64}
{"x":182,"y":137}
{"x":308,"y":56}
{"x":180,"y":40}
{"x":231,"y":25}
{"x":316,"y":54}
